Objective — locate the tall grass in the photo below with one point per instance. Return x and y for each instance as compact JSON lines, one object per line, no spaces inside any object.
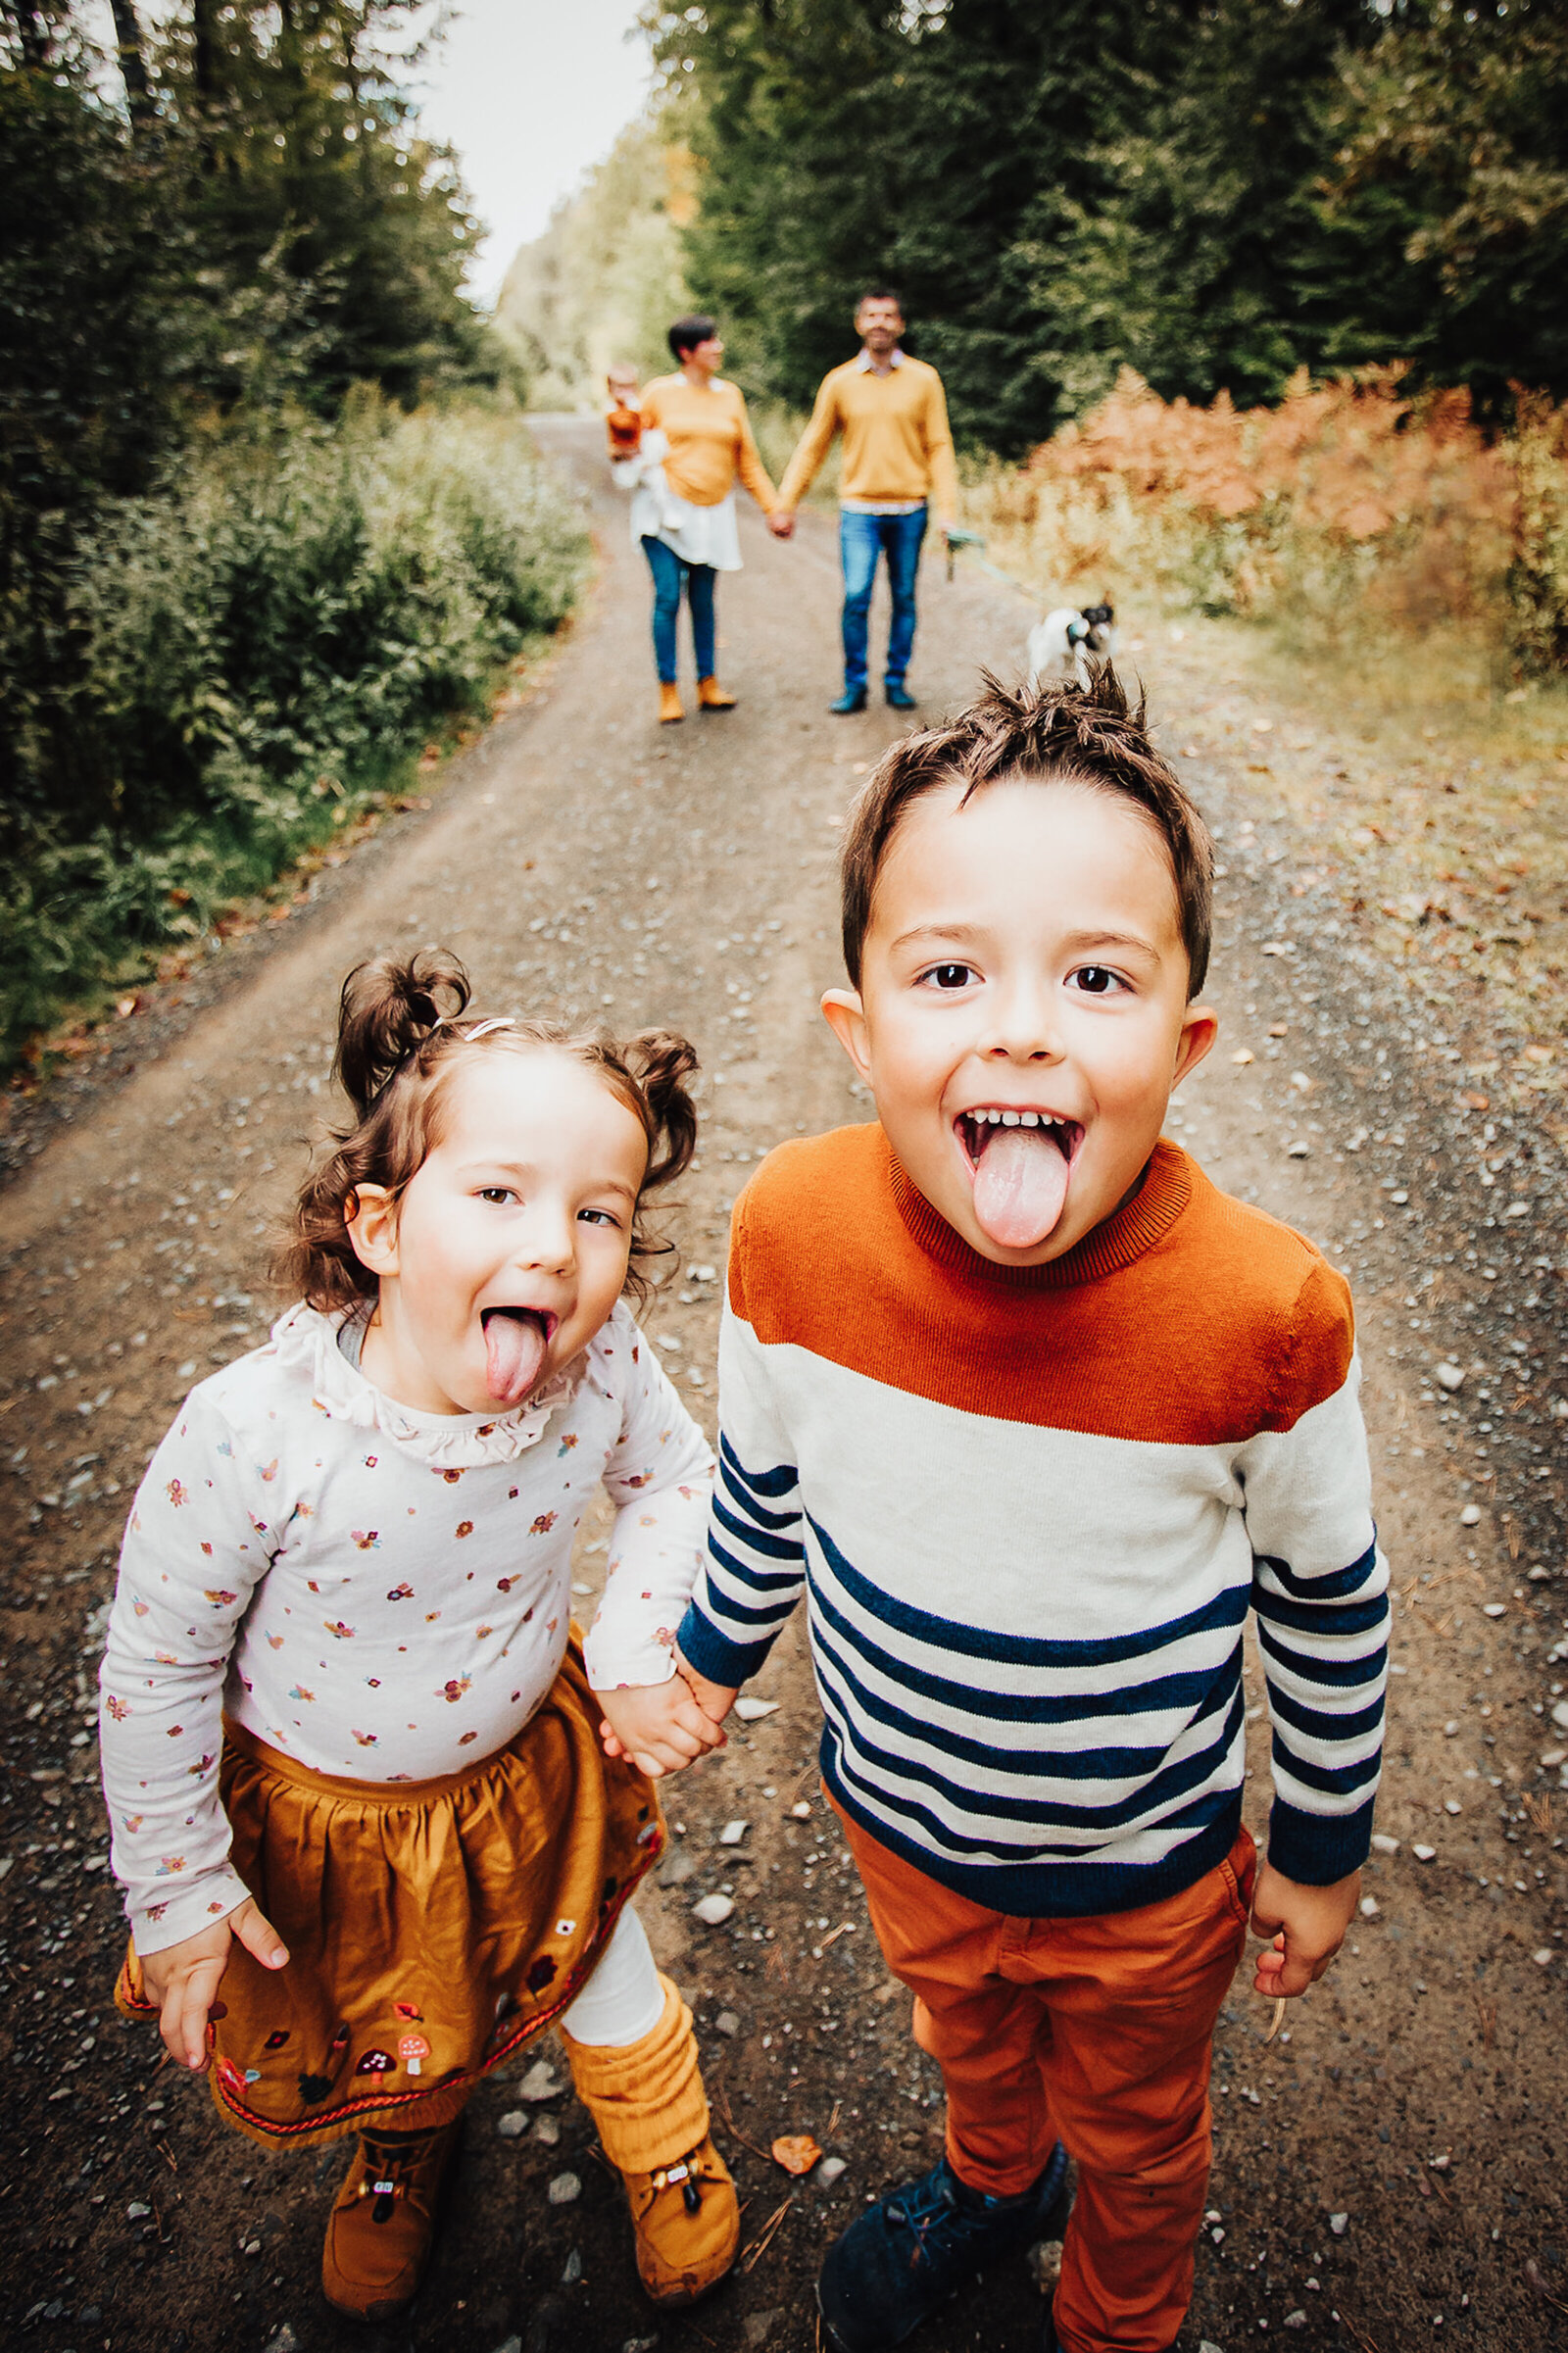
{"x":265,"y":639}
{"x":1350,"y":509}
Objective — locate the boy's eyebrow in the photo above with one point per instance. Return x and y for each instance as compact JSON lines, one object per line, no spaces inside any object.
{"x":971,"y":934}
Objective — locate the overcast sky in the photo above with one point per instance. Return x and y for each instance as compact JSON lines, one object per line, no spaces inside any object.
{"x":530,"y":93}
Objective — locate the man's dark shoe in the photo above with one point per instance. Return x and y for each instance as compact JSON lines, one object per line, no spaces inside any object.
{"x":900,"y":2261}
{"x":898,"y":696}
{"x":851,"y":699}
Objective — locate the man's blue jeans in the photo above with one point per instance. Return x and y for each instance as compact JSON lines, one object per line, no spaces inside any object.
{"x":671,"y":574}
{"x":863,"y":538}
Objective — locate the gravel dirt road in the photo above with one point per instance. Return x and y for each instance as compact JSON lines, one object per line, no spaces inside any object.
{"x":1390,"y":2171}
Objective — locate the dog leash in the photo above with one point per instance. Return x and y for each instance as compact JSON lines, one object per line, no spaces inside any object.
{"x":968,"y":540}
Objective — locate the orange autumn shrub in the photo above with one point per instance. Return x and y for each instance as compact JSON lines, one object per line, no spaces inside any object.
{"x":1350,"y":503}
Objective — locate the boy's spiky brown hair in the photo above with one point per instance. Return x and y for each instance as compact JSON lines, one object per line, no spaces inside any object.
{"x":1060,"y":733}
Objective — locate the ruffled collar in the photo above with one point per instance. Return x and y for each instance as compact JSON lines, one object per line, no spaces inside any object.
{"x":307,"y":1341}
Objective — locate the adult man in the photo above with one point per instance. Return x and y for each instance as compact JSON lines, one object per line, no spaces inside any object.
{"x":898,"y":452}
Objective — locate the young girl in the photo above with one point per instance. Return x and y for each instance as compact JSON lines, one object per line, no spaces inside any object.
{"x":350,"y":1736}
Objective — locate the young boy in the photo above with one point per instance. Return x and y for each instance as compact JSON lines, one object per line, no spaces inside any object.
{"x":1034,"y":1414}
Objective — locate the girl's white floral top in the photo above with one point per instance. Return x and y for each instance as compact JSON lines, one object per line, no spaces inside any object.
{"x":383,"y":1594}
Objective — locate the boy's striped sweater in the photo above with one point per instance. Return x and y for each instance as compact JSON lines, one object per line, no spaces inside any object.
{"x":1030,"y":1509}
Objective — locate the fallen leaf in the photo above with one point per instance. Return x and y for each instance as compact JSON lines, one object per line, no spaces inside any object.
{"x":797,"y":2152}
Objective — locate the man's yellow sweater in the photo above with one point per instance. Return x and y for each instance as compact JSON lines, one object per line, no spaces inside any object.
{"x":897,"y":441}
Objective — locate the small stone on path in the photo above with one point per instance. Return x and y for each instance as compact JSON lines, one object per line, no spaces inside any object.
{"x":1338,"y":2223}
{"x":513,"y":2125}
{"x":1451,"y":1377}
{"x":752,"y":1711}
{"x":733,"y":1833}
{"x":541,"y":2082}
{"x":563,"y":2190}
{"x":713,"y":1910}
{"x":726,"y":2023}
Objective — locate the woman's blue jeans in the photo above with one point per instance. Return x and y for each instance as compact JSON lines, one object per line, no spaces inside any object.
{"x":671,"y":572}
{"x":863,"y":538}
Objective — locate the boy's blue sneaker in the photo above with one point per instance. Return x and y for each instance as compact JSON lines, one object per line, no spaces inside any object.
{"x":898,"y":2263}
{"x":852,"y":699}
{"x":898,"y":696}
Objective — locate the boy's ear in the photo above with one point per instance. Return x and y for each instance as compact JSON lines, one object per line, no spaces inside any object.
{"x":1199,"y":1029}
{"x":845,"y":1016}
{"x":371,"y":1216}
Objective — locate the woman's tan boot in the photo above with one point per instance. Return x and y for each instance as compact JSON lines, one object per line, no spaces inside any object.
{"x":379,"y":2231}
{"x":669,"y":703}
{"x":648,"y":2101}
{"x":710,"y":695}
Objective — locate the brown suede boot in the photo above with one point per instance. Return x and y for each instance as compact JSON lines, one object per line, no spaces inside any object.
{"x":648,"y":2101}
{"x":669,"y":705}
{"x":379,"y":2231}
{"x":686,"y":2221}
{"x":710,"y":695}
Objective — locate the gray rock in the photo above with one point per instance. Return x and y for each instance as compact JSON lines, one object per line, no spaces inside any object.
{"x":713,"y":1910}
{"x":547,"y":2132}
{"x":677,"y":1871}
{"x":726,"y":2023}
{"x":760,"y":2325}
{"x":828,"y":2172}
{"x":512,"y":2126}
{"x":285,"y":2341}
{"x":1451,"y":1377}
{"x":1339,"y":2223}
{"x":1295,"y":2320}
{"x":541,"y":2082}
{"x":1045,"y":2265}
{"x":565,"y":2190}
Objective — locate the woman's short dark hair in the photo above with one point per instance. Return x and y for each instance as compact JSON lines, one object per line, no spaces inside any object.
{"x":686,"y":334}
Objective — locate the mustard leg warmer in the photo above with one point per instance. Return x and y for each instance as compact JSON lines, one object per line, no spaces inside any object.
{"x":646,"y":2097}
{"x":648,"y":2101}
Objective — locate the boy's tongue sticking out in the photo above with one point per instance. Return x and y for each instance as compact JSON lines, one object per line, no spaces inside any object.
{"x":1020,"y":1183}
{"x":514,"y":1344}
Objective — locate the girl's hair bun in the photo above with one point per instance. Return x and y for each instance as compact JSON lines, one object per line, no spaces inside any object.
{"x":389,"y":1008}
{"x":663,"y":1066}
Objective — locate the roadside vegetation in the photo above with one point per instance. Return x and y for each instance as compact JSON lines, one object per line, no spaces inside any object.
{"x":269,"y":515}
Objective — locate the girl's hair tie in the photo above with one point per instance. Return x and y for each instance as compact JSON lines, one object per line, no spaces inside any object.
{"x":482,"y":1029}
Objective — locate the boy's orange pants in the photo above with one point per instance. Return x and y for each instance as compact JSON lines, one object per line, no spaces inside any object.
{"x":1095,"y":2033}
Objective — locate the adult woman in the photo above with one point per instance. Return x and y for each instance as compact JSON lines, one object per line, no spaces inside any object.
{"x":695,"y":439}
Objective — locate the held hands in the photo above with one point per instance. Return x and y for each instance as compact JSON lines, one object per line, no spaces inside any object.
{"x":1307,"y":1925}
{"x":781,"y":522}
{"x":666,"y":1726}
{"x":183,"y":1979}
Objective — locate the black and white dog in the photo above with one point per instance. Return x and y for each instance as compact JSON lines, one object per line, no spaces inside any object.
{"x":1059,"y":643}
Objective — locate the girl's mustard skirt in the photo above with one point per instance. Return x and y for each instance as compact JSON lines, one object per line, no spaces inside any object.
{"x":433,"y":1928}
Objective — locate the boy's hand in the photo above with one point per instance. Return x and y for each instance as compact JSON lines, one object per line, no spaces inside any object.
{"x":659,"y":1726}
{"x":1307,"y":1925}
{"x":781,"y":522}
{"x":183,"y":1979}
{"x":715,"y":1699}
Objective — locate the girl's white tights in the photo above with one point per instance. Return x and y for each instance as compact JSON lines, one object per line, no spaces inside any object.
{"x":623,"y":2001}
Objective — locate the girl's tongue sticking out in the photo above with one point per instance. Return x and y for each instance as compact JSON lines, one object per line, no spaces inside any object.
{"x":514,"y":1344}
{"x":1020,"y":1183}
